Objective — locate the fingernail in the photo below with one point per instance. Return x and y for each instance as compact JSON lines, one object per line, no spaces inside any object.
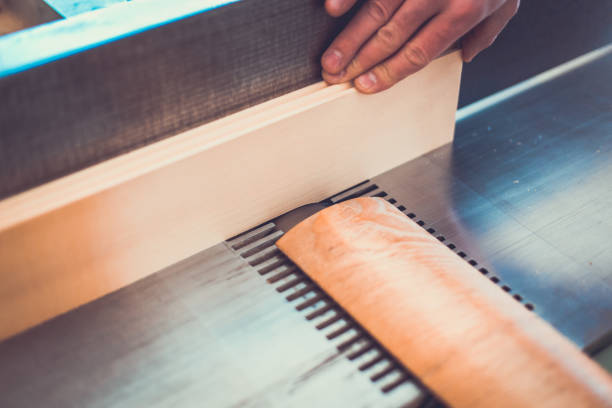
{"x":334,"y":78}
{"x":332,"y":60}
{"x":367,"y":81}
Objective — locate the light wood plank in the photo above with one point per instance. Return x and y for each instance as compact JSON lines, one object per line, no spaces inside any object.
{"x":464,"y":338}
{"x":75,"y":239}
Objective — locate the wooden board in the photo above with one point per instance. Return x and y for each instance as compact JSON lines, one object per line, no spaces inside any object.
{"x":75,"y":239}
{"x":464,"y":338}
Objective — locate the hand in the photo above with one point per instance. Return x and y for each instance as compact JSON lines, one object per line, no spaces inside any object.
{"x":388,"y":40}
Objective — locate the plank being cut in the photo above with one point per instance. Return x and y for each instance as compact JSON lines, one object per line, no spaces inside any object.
{"x":467,"y":340}
{"x":75,"y":239}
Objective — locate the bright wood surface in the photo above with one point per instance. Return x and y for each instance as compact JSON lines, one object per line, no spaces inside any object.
{"x":463,"y":337}
{"x":78,"y":238}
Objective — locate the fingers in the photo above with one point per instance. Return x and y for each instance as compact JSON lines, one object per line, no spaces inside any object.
{"x":368,"y":19}
{"x":485,"y":33}
{"x":384,"y":30}
{"x":431,"y":40}
{"x":389,"y":38}
{"x":336,"y":8}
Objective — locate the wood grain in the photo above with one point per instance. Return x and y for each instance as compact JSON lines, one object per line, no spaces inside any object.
{"x":462,"y":336}
{"x":80,"y":237}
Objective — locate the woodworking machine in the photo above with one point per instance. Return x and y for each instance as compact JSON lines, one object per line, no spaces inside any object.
{"x":150,"y":151}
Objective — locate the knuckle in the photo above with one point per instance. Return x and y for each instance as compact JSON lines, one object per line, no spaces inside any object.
{"x":421,"y":12}
{"x":388,"y":37}
{"x":445,"y":34}
{"x":467,"y":12}
{"x":378,"y":11}
{"x":415,"y":55}
{"x":385,"y":75}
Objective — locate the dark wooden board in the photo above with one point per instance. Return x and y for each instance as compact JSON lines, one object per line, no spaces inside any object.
{"x":83,"y":108}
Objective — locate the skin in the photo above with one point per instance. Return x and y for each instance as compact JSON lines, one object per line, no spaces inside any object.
{"x":388,"y":40}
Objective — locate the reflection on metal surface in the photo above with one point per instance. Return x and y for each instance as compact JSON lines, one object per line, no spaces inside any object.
{"x":532,"y":82}
{"x":527,"y":189}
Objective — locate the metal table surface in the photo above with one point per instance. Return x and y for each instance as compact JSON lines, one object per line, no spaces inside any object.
{"x":525,"y":190}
